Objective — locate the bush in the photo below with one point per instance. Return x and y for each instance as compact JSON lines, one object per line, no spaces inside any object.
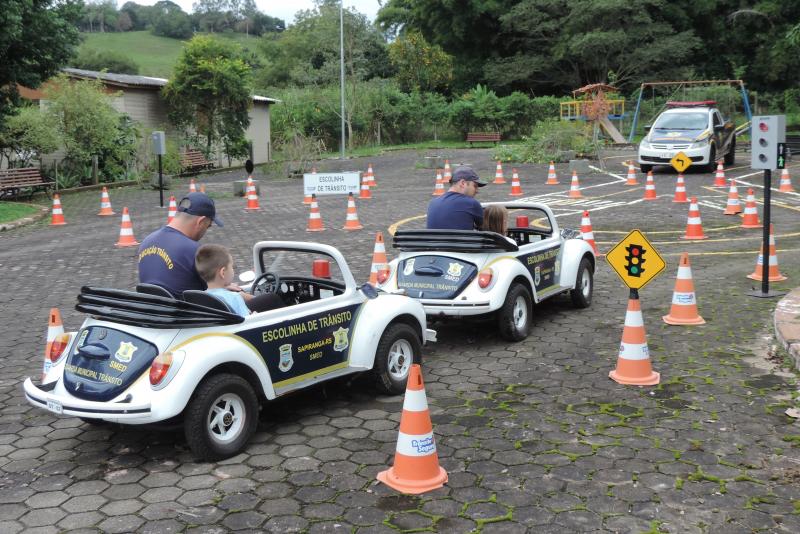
{"x":91,"y":59}
{"x":550,"y":140}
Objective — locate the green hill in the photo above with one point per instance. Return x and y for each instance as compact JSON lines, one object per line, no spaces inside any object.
{"x":155,"y":55}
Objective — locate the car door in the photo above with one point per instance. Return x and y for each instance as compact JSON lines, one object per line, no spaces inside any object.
{"x":718,"y":132}
{"x":542,"y":257}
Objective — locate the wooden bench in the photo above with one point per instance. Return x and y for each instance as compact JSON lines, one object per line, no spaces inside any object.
{"x":473,"y":137}
{"x":193,"y":160}
{"x":17,"y":182}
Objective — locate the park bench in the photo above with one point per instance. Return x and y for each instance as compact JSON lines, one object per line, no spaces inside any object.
{"x":473,"y":137}
{"x":193,"y":160}
{"x":17,"y":182}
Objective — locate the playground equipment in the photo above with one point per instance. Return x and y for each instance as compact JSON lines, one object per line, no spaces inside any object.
{"x":592,"y":105}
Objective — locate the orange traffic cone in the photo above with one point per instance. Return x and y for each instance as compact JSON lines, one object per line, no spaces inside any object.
{"x":680,"y":190}
{"x":126,"y":238}
{"x":54,"y":328}
{"x":575,"y":187}
{"x":684,"y":303}
{"x":694,"y":226}
{"x":774,"y":274}
{"x":371,"y":181}
{"x":650,"y":187}
{"x":750,"y":218}
{"x":416,"y":464}
{"x":499,"y":179}
{"x":365,"y":193}
{"x":439,"y":189}
{"x":516,"y":189}
{"x":307,"y":197}
{"x":719,"y":177}
{"x":314,"y":217}
{"x":57,"y":218}
{"x":105,"y":203}
{"x":587,"y":234}
{"x":786,"y":182}
{"x":733,"y":207}
{"x":173,"y":209}
{"x":351,"y":222}
{"x":252,"y":196}
{"x":192,"y":186}
{"x":633,"y":363}
{"x":379,"y":260}
{"x":447,"y":174}
{"x":631,"y":175}
{"x":552,"y":179}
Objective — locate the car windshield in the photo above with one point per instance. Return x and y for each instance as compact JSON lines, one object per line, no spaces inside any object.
{"x":682,"y":121}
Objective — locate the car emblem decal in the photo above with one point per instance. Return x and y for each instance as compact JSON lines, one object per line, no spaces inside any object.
{"x":286,"y":362}
{"x":558,"y":266}
{"x":409,"y":267}
{"x":81,"y":340}
{"x":102,"y":333}
{"x":125,"y":351}
{"x":340,"y":339}
{"x":455,"y":269}
{"x":537,"y":277}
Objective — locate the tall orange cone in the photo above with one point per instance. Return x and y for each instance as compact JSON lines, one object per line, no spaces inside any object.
{"x":126,"y":238}
{"x":694,"y":226}
{"x":54,"y":328}
{"x":307,"y":197}
{"x":379,"y":259}
{"x":587,"y":233}
{"x":684,"y":303}
{"x":774,"y":274}
{"x":733,"y":207}
{"x":192,"y":186}
{"x":314,"y":217}
{"x":371,"y":175}
{"x":650,"y":187}
{"x":719,"y":177}
{"x":680,"y":190}
{"x":631,"y":175}
{"x":552,"y":178}
{"x":786,"y":182}
{"x":633,"y":363}
{"x":516,"y":188}
{"x":351,"y":222}
{"x":447,"y":174}
{"x":750,"y":218}
{"x":416,"y":464}
{"x":57,"y":217}
{"x":499,"y":179}
{"x":105,"y":204}
{"x":439,"y":189}
{"x":575,"y":186}
{"x":365,"y":193}
{"x":173,"y":209}
{"x":252,"y":196}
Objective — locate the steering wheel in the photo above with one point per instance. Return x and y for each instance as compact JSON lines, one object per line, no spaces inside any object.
{"x":270,"y":281}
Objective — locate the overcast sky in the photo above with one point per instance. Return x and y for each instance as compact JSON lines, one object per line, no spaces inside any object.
{"x":282,"y":9}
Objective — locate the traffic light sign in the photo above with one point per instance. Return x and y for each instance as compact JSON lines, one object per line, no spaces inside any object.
{"x":766,"y":132}
{"x":635,"y":259}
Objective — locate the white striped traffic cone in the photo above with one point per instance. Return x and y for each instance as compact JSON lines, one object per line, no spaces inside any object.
{"x":750,"y":216}
{"x":439,"y":189}
{"x":499,"y":179}
{"x":552,"y":178}
{"x":680,"y":190}
{"x":633,"y":364}
{"x":126,"y":238}
{"x":733,"y":206}
{"x":575,"y":187}
{"x":173,"y":209}
{"x":105,"y":204}
{"x":631,"y":175}
{"x":587,"y":233}
{"x":786,"y":182}
{"x":719,"y":177}
{"x":694,"y":225}
{"x":773,"y":272}
{"x":684,"y":304}
{"x":351,"y":221}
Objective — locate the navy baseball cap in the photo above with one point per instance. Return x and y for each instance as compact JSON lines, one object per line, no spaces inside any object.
{"x":466,"y":173}
{"x":199,"y":204}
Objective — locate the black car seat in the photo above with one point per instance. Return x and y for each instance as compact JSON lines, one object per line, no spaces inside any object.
{"x":195,"y":296}
{"x":153,"y":289}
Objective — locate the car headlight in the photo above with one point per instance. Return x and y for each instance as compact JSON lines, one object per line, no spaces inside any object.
{"x":644,"y":144}
{"x":700,"y":144}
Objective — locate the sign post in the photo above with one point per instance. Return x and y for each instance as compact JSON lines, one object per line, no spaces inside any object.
{"x":160,"y":148}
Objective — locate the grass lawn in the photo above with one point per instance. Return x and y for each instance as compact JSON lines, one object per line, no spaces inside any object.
{"x":364,"y":151}
{"x":11,"y":211}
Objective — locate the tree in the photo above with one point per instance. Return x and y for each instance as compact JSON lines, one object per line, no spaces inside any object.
{"x":169,"y":20}
{"x":38,"y":38}
{"x":91,"y":59}
{"x":420,"y":65}
{"x":29,"y":134}
{"x":211,"y":92}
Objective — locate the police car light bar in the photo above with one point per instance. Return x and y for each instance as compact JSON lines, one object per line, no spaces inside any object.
{"x":698,"y":104}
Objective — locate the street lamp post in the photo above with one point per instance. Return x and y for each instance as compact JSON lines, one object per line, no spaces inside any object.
{"x":341,"y":66}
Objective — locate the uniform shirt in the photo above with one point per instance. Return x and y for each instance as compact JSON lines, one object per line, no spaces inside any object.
{"x":166,"y":258}
{"x":454,"y":211}
{"x":233,"y":299}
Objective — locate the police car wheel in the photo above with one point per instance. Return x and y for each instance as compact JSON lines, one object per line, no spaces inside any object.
{"x":730,"y":157}
{"x":221,"y":417}
{"x":645,"y":168}
{"x":711,"y":166}
{"x":514,"y":317}
{"x":584,"y":285}
{"x":398,"y":348}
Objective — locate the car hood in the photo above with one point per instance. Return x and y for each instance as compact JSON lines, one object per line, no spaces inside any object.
{"x":677,"y":136}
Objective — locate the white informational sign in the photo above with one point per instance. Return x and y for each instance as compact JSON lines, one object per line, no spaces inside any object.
{"x":332,"y":183}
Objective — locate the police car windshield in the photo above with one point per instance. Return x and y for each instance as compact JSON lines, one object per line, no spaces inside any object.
{"x":682,"y":121}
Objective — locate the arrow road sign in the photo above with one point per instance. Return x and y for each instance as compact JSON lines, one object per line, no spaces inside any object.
{"x":681,"y":162}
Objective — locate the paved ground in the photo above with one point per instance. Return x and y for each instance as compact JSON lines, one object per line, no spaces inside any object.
{"x":534,"y":435}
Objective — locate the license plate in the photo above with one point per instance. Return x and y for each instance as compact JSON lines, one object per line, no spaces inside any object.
{"x":55,"y":406}
{"x":665,"y":155}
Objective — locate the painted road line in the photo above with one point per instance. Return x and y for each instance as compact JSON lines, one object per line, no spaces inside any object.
{"x":626,"y":232}
{"x":603,"y":171}
{"x":729,"y":253}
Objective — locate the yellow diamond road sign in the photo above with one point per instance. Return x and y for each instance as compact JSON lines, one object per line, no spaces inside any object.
{"x":635,"y":260}
{"x":681,"y":162}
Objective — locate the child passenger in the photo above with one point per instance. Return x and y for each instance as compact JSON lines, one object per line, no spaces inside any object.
{"x":214,"y":263}
{"x":495,"y":219}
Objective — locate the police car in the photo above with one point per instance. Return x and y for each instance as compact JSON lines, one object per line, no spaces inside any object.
{"x":695,"y":128}
{"x":456,"y":273}
{"x":143,"y":358}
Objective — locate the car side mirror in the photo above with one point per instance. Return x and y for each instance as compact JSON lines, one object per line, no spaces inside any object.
{"x":647,"y":127}
{"x":247,"y":276}
{"x":719,"y":127}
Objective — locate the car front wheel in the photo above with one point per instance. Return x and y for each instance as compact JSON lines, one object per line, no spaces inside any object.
{"x":730,"y":157}
{"x":221,"y":417}
{"x":645,"y":168}
{"x":514,"y":317}
{"x":584,"y":285}
{"x":712,"y":160}
{"x":398,"y":348}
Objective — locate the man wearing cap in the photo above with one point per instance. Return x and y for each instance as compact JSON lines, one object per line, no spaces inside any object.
{"x":457,"y":209}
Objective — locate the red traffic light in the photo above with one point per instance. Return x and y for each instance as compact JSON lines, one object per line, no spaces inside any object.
{"x":763,"y":126}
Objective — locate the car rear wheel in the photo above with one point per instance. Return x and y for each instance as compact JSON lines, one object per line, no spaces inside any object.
{"x":584,"y":285}
{"x":730,"y":157}
{"x":220,"y":417}
{"x":514,"y":317}
{"x":398,"y":348}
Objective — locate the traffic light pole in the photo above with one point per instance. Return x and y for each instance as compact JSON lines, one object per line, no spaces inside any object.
{"x":765,"y":292}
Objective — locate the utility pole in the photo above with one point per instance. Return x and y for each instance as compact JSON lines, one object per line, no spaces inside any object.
{"x":341,"y":67}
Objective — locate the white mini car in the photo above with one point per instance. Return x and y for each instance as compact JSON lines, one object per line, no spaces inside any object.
{"x":143,"y":358}
{"x":458,"y":272}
